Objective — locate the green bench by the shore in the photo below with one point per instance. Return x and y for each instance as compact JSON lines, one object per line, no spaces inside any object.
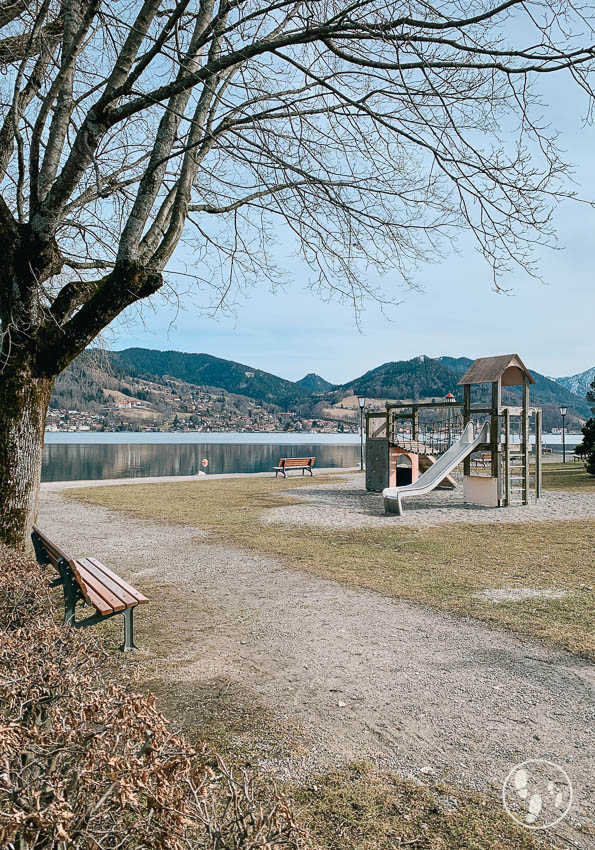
{"x":87,"y":580}
{"x":286,"y":463}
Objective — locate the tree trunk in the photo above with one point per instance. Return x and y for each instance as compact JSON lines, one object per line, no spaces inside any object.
{"x":24,"y":399}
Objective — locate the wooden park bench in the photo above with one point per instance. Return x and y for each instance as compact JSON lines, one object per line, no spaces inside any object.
{"x":303,"y":463}
{"x":482,"y":459}
{"x":89,"y":581}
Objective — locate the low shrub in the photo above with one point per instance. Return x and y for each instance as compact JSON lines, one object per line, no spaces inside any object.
{"x":86,"y":764}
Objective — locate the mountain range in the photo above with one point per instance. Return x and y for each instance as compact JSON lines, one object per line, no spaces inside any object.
{"x":314,"y":383}
{"x":419,"y":378}
{"x":208,"y":371}
{"x":578,"y":384}
{"x":544,"y":392}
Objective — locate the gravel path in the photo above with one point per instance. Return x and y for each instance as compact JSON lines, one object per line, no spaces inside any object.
{"x":418,"y":691}
{"x":346,"y":505}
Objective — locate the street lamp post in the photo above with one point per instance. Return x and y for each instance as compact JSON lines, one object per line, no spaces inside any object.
{"x":563,"y":412}
{"x":361,"y":400}
{"x":449,"y":397}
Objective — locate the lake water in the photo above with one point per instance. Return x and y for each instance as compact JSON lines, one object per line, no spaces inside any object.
{"x":84,"y":456}
{"x":90,"y":456}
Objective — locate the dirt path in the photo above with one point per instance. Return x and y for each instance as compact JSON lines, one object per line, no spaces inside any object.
{"x":420,"y":692}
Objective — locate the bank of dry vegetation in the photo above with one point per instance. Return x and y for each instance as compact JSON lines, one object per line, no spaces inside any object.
{"x":87,"y":764}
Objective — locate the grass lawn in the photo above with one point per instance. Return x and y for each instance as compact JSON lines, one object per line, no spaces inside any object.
{"x":571,"y":476}
{"x":443,"y":566}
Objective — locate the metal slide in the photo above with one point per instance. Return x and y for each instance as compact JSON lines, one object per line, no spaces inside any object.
{"x":443,"y":466}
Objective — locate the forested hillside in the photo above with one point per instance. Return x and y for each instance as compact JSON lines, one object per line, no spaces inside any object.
{"x":419,"y":378}
{"x":207,"y":371}
{"x":198,"y":390}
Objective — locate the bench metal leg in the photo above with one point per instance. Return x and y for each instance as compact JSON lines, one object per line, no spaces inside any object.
{"x":69,"y":603}
{"x":128,"y":631}
{"x":70,"y":593}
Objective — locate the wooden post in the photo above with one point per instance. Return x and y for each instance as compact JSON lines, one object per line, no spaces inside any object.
{"x":525,"y":438}
{"x":466,"y":419}
{"x":414,"y":422}
{"x":506,"y":457}
{"x":389,"y":426}
{"x":538,"y":484}
{"x":495,"y":436}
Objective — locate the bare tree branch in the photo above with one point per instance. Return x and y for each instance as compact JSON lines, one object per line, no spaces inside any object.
{"x":369,"y":133}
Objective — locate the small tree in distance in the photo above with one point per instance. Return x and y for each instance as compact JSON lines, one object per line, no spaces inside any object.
{"x":373,"y":131}
{"x":586,"y":449}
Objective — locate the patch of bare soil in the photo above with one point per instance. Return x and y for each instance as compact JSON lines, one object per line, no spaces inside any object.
{"x":517,"y":594}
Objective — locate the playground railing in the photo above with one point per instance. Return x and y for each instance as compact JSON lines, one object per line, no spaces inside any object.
{"x":433,"y":437}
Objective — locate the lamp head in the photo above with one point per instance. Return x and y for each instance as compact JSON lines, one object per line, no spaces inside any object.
{"x":563,"y":410}
{"x":361,"y":400}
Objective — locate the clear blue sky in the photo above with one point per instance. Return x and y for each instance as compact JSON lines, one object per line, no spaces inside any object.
{"x":550,"y":325}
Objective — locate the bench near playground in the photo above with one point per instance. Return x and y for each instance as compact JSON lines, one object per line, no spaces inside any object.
{"x":89,"y":581}
{"x":286,"y":463}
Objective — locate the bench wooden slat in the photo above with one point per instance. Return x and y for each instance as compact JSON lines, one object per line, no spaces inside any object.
{"x":137,"y":597}
{"x":101,"y":583}
{"x":93,"y":593}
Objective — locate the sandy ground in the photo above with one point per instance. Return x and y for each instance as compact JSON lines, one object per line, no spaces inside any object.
{"x":347,"y":505}
{"x":418,"y":691}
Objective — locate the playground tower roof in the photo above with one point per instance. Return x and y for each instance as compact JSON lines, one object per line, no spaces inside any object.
{"x":509,"y":367}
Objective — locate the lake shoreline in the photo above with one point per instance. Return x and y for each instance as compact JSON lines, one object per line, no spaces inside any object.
{"x":174,"y":479}
{"x":108,"y":456}
{"x":238,"y":438}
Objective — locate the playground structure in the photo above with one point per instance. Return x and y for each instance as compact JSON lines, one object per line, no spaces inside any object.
{"x":412,"y":448}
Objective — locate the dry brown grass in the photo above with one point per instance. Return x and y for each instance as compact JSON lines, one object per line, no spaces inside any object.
{"x":571,"y":476}
{"x":443,"y":566}
{"x":360,"y":807}
{"x":87,"y":764}
{"x":366,"y":809}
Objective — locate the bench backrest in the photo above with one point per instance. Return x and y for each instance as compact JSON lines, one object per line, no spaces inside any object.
{"x":99,"y":586}
{"x":46,"y":551}
{"x":288,"y":462}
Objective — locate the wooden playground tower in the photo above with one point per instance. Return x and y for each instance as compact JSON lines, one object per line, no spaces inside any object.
{"x":388,"y":444}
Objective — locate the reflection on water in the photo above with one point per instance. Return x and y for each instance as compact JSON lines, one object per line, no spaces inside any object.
{"x":84,"y":462}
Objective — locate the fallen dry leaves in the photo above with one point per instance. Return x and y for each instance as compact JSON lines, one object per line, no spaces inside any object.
{"x":86,"y":764}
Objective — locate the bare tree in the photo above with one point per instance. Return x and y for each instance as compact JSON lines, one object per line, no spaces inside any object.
{"x":372,"y":130}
